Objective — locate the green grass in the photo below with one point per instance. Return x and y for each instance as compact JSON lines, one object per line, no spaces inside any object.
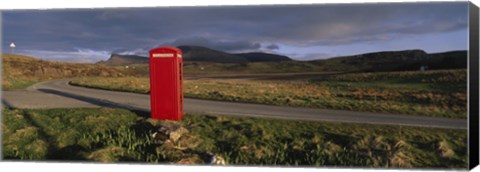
{"x":116,"y":135}
{"x":57,"y":133}
{"x":432,"y":93}
{"x":21,"y":84}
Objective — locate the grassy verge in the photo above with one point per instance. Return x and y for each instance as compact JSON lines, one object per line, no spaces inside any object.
{"x":432,"y":93}
{"x":116,"y":135}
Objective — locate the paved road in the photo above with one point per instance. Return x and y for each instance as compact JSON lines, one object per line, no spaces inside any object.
{"x":58,"y":93}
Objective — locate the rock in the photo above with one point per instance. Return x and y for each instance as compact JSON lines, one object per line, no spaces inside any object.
{"x":164,"y":130}
{"x":173,"y":133}
{"x":169,"y":143}
{"x":216,"y":159}
{"x":176,"y":134}
{"x":190,"y":160}
{"x":159,"y":137}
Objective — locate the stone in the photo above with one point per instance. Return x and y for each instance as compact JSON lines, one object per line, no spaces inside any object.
{"x":216,"y":160}
{"x":176,"y":134}
{"x":190,"y":160}
{"x":159,"y":137}
{"x":169,"y":132}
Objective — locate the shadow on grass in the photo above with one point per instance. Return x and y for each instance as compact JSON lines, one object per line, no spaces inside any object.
{"x":71,"y":152}
{"x":6,"y":104}
{"x":77,"y":152}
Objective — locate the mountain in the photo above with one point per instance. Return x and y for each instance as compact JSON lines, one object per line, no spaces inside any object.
{"x":263,"y":57}
{"x":197,"y":53}
{"x":121,"y":60}
{"x":449,"y":60}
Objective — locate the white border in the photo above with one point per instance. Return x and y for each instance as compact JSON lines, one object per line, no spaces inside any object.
{"x":75,"y":4}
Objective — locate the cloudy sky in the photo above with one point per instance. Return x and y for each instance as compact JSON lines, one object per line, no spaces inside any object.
{"x":302,"y":32}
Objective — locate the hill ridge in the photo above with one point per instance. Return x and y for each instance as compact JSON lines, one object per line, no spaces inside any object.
{"x":412,"y":59}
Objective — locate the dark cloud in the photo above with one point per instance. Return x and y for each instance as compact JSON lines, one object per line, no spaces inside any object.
{"x":311,"y":56}
{"x":272,"y":47}
{"x":243,"y":28}
{"x":223,"y":45}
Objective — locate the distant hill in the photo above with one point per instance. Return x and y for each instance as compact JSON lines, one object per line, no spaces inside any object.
{"x":369,"y":62}
{"x":120,"y":60}
{"x":263,"y":57}
{"x":400,"y":60}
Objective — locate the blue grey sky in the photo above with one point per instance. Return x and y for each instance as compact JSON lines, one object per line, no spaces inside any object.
{"x":302,"y":32}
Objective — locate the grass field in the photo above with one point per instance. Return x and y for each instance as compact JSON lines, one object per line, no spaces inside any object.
{"x":22,"y":71}
{"x":431,"y":93}
{"x":116,"y":135}
{"x":202,"y":68}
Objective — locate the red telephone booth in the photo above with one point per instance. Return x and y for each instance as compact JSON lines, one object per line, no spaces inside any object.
{"x":166,"y":83}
